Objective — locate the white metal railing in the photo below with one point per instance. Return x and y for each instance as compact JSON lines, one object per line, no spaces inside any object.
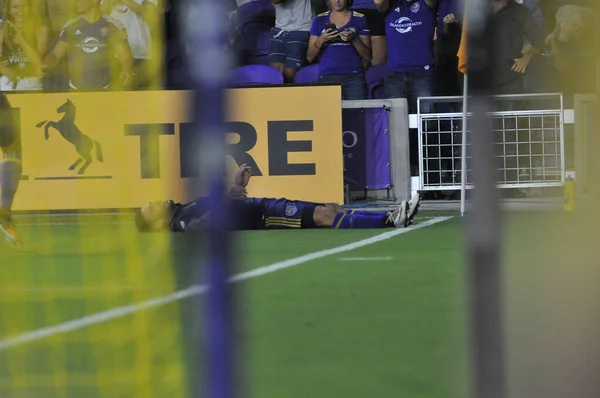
{"x":530,"y":145}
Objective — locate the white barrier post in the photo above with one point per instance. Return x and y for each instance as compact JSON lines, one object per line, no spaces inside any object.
{"x":463,"y":161}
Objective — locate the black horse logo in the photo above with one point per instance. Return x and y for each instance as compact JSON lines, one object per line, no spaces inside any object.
{"x":70,"y":132}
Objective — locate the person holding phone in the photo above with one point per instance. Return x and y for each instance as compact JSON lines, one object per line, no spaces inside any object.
{"x":341,"y":40}
{"x":25,"y":42}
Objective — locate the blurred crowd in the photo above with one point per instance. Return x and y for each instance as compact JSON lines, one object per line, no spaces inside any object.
{"x":408,"y":48}
{"x":91,"y":45}
{"x":372,"y":48}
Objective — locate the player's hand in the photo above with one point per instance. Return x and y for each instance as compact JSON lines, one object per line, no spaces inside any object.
{"x":238,"y":192}
{"x":10,"y":73}
{"x":328,"y":35}
{"x":125,"y":78}
{"x":347,"y":35}
{"x":246,"y":176}
{"x":521,"y":64}
{"x":450,"y":18}
{"x":242,"y":176}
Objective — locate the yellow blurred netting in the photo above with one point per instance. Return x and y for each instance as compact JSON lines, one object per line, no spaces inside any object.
{"x":75,"y":266}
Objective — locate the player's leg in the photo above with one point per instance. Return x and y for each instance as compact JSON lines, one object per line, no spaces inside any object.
{"x":350,"y":219}
{"x":295,"y":49}
{"x":10,"y":169}
{"x":286,"y":214}
{"x":413,"y":209}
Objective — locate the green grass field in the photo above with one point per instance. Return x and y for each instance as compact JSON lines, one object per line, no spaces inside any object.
{"x":336,"y":326}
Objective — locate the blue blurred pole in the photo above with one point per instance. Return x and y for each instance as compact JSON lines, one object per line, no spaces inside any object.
{"x":484,"y":221}
{"x":207,"y":27}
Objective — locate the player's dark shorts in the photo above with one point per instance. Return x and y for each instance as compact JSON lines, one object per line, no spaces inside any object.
{"x":285,"y":214}
{"x":375,"y":20}
{"x":10,"y":138}
{"x":288,"y":48}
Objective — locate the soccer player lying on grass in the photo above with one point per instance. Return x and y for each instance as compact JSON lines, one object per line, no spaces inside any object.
{"x":264,"y":213}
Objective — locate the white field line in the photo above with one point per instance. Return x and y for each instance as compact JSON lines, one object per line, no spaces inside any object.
{"x":192,"y":291}
{"x":81,"y":289}
{"x":344,"y":259}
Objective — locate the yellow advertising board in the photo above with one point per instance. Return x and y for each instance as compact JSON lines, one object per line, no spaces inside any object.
{"x":121,"y":150}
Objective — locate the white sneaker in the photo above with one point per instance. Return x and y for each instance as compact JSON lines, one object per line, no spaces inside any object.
{"x":399,"y":217}
{"x":413,"y":208}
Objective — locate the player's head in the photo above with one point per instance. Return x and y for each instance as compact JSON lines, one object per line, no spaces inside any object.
{"x":87,"y":5}
{"x":154,"y":216}
{"x":17,"y":11}
{"x":339,"y":5}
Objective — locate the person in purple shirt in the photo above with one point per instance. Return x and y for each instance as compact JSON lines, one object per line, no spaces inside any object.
{"x":340,"y":38}
{"x":410,"y":27}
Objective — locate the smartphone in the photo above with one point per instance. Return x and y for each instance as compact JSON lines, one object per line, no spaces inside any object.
{"x":330,"y":26}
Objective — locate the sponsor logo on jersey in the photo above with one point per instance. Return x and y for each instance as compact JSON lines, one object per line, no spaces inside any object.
{"x":290,"y":210}
{"x":405,"y":25}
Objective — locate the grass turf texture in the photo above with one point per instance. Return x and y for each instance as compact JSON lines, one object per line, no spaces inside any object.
{"x":326,"y":328}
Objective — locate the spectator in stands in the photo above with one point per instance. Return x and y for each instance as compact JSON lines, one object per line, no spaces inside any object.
{"x":409,"y":27}
{"x":254,"y":10}
{"x":320,"y":6}
{"x":57,"y":13}
{"x":135,"y":16}
{"x":535,"y":81}
{"x":91,"y":42}
{"x":289,"y":40}
{"x":448,"y":33}
{"x":376,"y":24}
{"x":24,"y":43}
{"x":344,"y":51}
{"x":255,"y":20}
{"x":512,"y":23}
{"x":573,"y":49}
{"x":536,"y":11}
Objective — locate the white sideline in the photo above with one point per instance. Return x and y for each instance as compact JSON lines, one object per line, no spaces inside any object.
{"x":346,"y":259}
{"x":120,"y":312}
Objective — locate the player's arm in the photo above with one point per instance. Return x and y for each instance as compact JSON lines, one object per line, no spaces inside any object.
{"x":237,"y":192}
{"x":242,"y":176}
{"x":382,"y":5}
{"x":197,"y":224}
{"x":431,"y":3}
{"x":123,"y":51}
{"x":59,"y":52}
{"x":140,"y":9}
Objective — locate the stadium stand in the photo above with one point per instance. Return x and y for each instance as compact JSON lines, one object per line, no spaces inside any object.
{"x":255,"y":75}
{"x":375,"y":77}
{"x":308,"y":74}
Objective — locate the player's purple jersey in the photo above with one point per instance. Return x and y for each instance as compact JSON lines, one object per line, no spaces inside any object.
{"x":250,"y":213}
{"x":92,"y":51}
{"x":370,"y":4}
{"x":340,"y":57}
{"x":409,"y":27}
